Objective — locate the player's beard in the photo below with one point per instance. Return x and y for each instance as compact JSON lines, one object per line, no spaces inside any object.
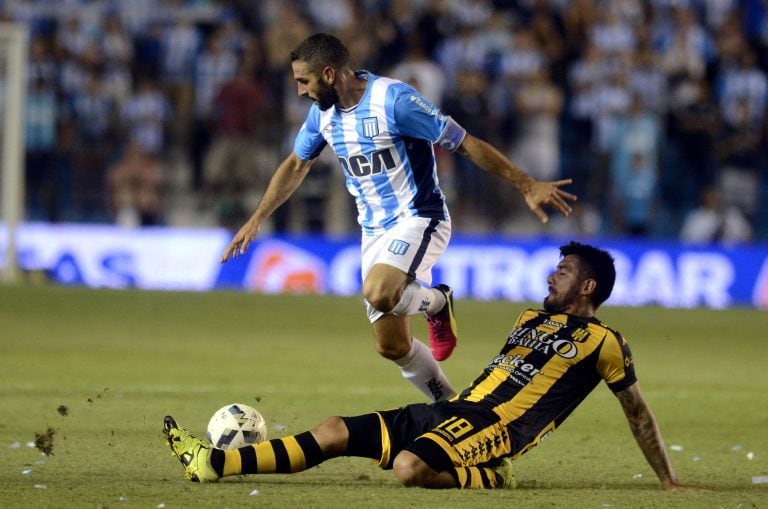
{"x":554,"y":303}
{"x":326,"y":96}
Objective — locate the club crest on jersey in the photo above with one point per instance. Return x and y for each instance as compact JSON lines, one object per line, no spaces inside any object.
{"x":398,"y":247}
{"x":370,"y":127}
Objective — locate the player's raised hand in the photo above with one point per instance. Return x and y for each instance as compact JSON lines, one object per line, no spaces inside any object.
{"x":550,"y":194}
{"x":241,"y":240}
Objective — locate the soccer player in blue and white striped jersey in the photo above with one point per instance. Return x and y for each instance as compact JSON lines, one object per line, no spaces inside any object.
{"x":383,"y":132}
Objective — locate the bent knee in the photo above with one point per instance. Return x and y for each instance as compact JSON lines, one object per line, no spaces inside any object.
{"x":410,"y":470}
{"x":334,"y":425}
{"x":379,"y":297}
{"x":332,"y":436}
{"x":383,"y":287}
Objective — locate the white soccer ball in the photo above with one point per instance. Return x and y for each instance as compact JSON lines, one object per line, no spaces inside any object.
{"x":236,"y":425}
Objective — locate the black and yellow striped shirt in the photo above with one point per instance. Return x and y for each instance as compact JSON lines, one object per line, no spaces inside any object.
{"x":548,"y":365}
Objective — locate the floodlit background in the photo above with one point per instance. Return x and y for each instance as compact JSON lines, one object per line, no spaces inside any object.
{"x":152,"y":128}
{"x":175,"y":111}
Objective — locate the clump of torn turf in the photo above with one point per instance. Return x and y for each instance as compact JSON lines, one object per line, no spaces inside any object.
{"x":44,"y":441}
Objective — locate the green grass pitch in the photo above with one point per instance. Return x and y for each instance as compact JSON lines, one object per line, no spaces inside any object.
{"x":102,"y":368}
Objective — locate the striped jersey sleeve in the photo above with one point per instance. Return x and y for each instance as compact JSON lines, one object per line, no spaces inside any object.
{"x":309,"y":142}
{"x":418,"y":118}
{"x":615,"y":363}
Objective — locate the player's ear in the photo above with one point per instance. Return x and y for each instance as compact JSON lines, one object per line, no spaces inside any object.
{"x":588,"y":286}
{"x":329,"y":75}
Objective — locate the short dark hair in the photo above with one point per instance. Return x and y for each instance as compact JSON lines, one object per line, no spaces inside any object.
{"x":595,"y":263}
{"x":321,"y":50}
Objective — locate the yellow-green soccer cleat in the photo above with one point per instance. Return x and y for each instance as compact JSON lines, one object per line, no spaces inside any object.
{"x":506,"y":472}
{"x":194,"y":454}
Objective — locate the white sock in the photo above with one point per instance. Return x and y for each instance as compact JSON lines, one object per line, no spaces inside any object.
{"x":419,"y":299}
{"x":423,"y":371}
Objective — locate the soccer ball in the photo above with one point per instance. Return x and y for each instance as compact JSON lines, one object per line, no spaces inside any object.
{"x":236,"y":425}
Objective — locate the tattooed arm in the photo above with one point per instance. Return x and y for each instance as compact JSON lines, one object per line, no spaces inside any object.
{"x":646,"y":432}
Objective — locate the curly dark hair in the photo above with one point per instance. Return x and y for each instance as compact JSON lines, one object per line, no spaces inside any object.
{"x":595,"y":263}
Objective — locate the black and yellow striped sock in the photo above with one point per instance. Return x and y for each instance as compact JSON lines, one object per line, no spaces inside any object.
{"x":278,"y":456}
{"x":478,"y":477}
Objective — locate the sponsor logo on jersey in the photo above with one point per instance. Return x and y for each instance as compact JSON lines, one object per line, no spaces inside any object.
{"x":429,"y":108}
{"x":516,"y":364}
{"x":361,"y":165}
{"x":543,"y":342}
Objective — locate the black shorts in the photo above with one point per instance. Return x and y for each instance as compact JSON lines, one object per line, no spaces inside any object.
{"x":444,"y":435}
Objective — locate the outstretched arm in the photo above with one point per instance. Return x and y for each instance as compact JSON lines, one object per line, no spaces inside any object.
{"x":646,"y":432}
{"x":289,"y":175}
{"x":536,"y":193}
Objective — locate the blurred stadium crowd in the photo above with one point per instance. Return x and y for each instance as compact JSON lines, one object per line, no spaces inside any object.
{"x":146,"y":112}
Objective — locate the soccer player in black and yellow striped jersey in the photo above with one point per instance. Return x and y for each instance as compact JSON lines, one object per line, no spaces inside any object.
{"x":548,"y":364}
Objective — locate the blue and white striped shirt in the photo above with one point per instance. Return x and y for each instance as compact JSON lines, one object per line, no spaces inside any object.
{"x":385,"y":148}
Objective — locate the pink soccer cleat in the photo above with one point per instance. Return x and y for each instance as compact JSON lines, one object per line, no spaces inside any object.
{"x":442,"y":327}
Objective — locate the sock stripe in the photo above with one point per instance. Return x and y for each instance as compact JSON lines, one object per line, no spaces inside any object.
{"x":282,"y":460}
{"x":461,"y":477}
{"x":232,"y":463}
{"x":296,"y":461}
{"x":476,"y":479}
{"x":248,"y":463}
{"x":485,"y":479}
{"x":312,"y":454}
{"x":266,"y":457}
{"x":218,"y":458}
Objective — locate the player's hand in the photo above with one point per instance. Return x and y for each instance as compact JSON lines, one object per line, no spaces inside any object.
{"x":241,"y":240}
{"x":549,"y":194}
